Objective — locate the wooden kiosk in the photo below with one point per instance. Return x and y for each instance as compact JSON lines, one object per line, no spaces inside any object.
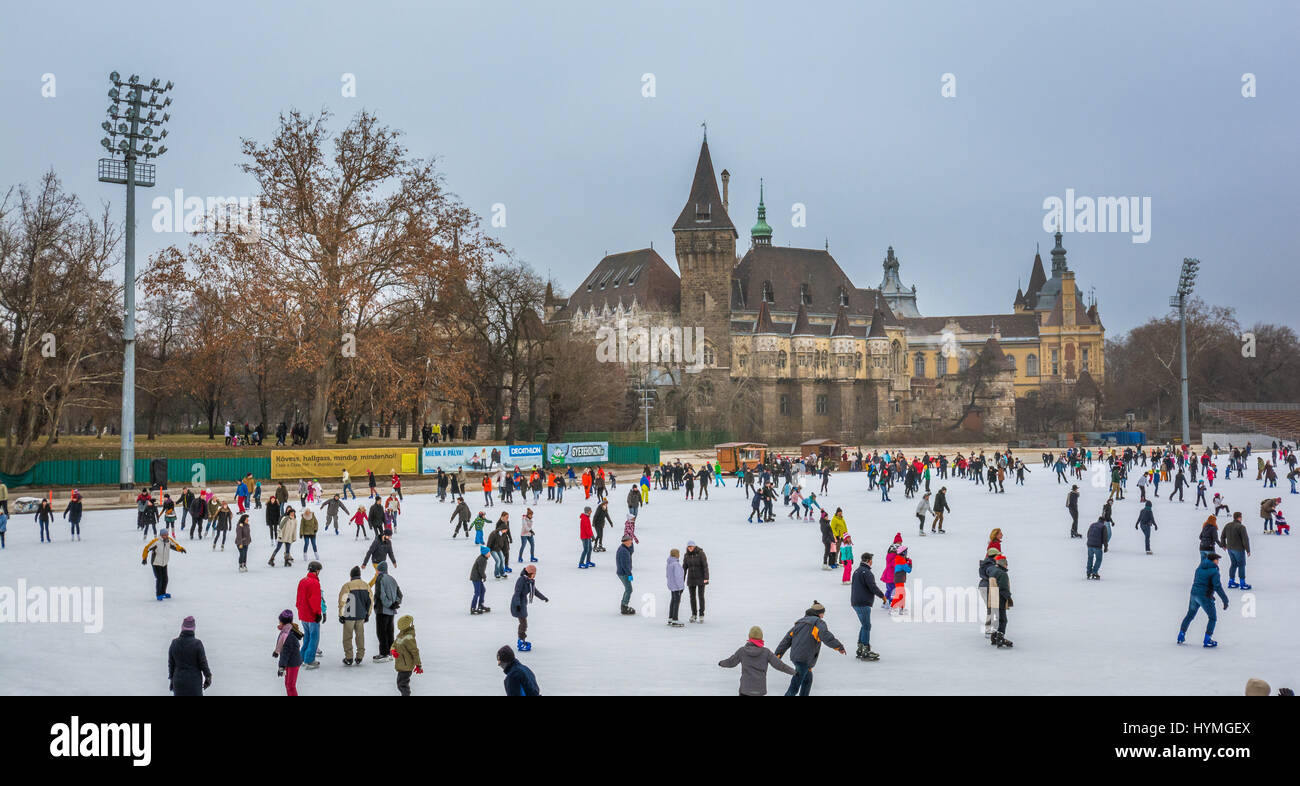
{"x":734,"y":456}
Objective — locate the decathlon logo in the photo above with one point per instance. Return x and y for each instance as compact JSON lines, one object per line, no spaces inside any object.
{"x":102,"y":740}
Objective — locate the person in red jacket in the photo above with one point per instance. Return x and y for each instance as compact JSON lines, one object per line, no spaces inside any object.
{"x":585,"y":534}
{"x":311,"y":611}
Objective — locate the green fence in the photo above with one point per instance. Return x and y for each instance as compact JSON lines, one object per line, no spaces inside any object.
{"x":104,"y":472}
{"x":639,"y":453}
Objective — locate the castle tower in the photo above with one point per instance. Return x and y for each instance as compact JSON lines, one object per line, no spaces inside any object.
{"x":705,"y":245}
{"x":901,"y":299}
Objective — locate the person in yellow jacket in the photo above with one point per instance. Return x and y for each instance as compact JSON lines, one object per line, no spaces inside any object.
{"x":406,"y":654}
{"x":157,"y":552}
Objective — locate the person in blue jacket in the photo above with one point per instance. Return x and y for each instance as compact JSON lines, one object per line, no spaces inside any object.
{"x":1205,"y":585}
{"x":519,"y":678}
{"x":623,"y":569}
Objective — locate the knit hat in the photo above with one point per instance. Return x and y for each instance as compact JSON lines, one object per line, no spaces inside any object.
{"x":356,"y":572}
{"x":506,"y":655}
{"x":483,"y":549}
{"x":286,"y":616}
{"x":1002,"y":558}
{"x":898,"y":537}
{"x":690,"y":543}
{"x":314,"y":566}
{"x":816,"y":608}
{"x":626,"y":539}
{"x":188,"y":624}
{"x":1257,"y":687}
{"x":992,"y":553}
{"x":756,"y":633}
{"x":848,"y":538}
{"x":674,"y":553}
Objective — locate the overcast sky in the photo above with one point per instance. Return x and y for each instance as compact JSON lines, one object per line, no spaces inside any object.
{"x":838,"y":106}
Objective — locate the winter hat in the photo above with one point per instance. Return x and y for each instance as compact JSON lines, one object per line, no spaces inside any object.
{"x":286,"y":616}
{"x":674,"y":553}
{"x":626,"y":539}
{"x":188,"y":625}
{"x":314,"y":566}
{"x":483,"y":549}
{"x":756,"y":633}
{"x":816,"y":608}
{"x":1257,"y":687}
{"x":1002,"y":558}
{"x":506,"y":655}
{"x":993,"y":553}
{"x":898,"y":537}
{"x":848,"y":539}
{"x":690,"y":543}
{"x":356,"y":572}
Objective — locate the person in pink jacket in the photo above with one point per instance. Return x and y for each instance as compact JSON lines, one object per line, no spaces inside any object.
{"x":888,"y":575}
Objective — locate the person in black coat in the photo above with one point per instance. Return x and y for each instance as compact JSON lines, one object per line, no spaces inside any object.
{"x":376,"y":517}
{"x":598,"y":523}
{"x":381,"y":550}
{"x":187,"y":664}
{"x":695,"y":566}
{"x":862,"y":596}
{"x":519,"y":678}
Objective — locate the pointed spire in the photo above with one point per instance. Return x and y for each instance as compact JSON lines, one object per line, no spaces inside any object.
{"x":877,"y":325}
{"x":1058,"y":258}
{"x":841,"y":323}
{"x":761,"y":234}
{"x":802,"y":327}
{"x":704,"y":208}
{"x":764,"y":322}
{"x":1036,"y":280}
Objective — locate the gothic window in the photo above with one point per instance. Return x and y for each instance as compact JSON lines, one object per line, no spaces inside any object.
{"x":857,"y":358}
{"x":708,"y":354}
{"x":1031,"y":365}
{"x":1011,"y":361}
{"x":805,"y":294}
{"x":941,"y":365}
{"x":785,"y":404}
{"x":896,"y":358}
{"x":1085,"y":359}
{"x":781,"y":359}
{"x":919,"y":364}
{"x":1056,"y":363}
{"x":768,"y":295}
{"x":706,"y":394}
{"x":822,"y":404}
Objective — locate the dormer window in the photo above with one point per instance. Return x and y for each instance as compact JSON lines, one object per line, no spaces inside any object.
{"x":703,"y":211}
{"x":768,"y":295}
{"x":805,"y":294}
{"x":631,"y":277}
{"x":844,"y":297}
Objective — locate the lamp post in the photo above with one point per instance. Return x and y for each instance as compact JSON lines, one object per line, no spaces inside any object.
{"x":1186,"y":280}
{"x":133,"y":116}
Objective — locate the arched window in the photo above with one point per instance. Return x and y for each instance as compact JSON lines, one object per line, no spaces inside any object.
{"x":963,"y":362}
{"x":708,"y":354}
{"x":941,"y":365}
{"x":781,"y":359}
{"x":706,"y":394}
{"x":918,"y":365}
{"x":896,"y":358}
{"x":857,"y":360}
{"x":1011,"y":361}
{"x":768,"y":295}
{"x":1031,"y":365}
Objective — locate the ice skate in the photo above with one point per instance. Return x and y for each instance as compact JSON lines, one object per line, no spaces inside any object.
{"x":1209,"y":642}
{"x":1245,"y":586}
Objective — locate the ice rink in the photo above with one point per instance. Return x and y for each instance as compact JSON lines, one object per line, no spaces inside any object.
{"x":1072,"y":636}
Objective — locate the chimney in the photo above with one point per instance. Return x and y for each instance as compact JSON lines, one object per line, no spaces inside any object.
{"x":726,"y":179}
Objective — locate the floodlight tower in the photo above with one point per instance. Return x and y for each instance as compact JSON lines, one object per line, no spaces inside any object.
{"x":1186,"y":280}
{"x":134,"y":117}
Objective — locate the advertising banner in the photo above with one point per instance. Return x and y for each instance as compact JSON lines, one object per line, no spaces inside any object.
{"x":577,"y":453}
{"x":480,"y":457}
{"x":331,"y":463}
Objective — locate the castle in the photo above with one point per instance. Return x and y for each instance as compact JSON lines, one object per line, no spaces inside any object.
{"x":820,"y":356}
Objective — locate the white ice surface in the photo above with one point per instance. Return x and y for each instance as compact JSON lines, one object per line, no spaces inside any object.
{"x":1071,"y":636}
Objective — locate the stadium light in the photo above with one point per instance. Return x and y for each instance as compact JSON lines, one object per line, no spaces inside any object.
{"x":1186,"y":282}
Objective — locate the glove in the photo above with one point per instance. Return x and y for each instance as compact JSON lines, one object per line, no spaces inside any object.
{"x":393,"y":652}
{"x":629,"y":577}
{"x":207,"y":683}
{"x":419,"y":669}
{"x":279,"y":673}
{"x":143,"y":561}
{"x":1225,"y":605}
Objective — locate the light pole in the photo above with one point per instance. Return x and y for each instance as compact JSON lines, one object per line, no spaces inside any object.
{"x":132,"y":99}
{"x":1186,"y":280}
